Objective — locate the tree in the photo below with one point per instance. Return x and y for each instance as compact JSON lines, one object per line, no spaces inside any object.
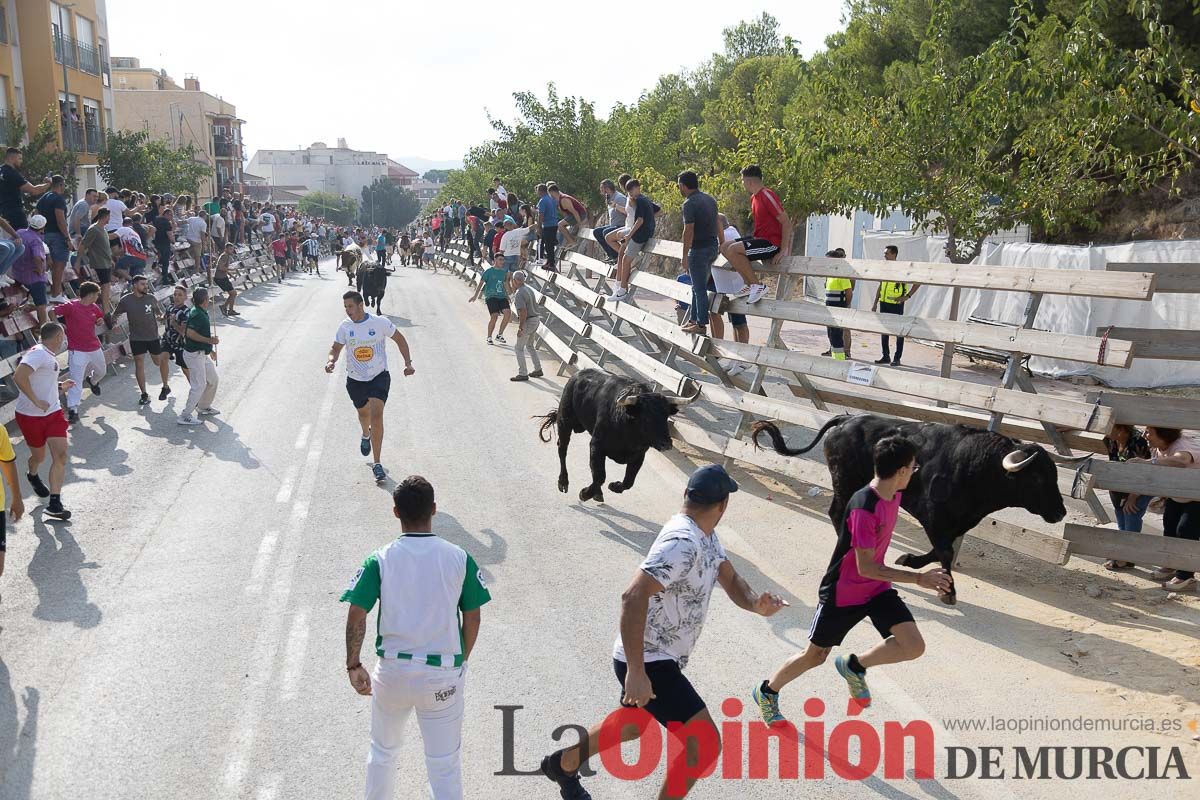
{"x":41,"y":153}
{"x":337,"y":209}
{"x":133,"y":159}
{"x":385,"y":203}
{"x":436,"y":175}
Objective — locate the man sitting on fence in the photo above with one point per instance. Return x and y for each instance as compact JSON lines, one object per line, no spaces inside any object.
{"x":890,"y":300}
{"x":772,"y":239}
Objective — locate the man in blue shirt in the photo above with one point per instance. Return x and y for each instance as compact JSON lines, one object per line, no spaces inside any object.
{"x":548,"y":214}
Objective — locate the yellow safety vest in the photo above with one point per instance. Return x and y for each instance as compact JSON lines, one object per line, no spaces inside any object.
{"x":837,"y":285}
{"x":892,"y":291}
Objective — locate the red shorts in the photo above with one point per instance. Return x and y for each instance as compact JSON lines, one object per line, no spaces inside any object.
{"x":37,"y":430}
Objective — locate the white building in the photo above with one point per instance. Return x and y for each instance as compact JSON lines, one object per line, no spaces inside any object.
{"x":321,"y":168}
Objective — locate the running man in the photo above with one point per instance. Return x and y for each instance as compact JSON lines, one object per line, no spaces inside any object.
{"x":493,"y":284}
{"x":772,"y":239}
{"x":143,"y":312}
{"x":367,"y":378}
{"x":85,"y":357}
{"x":858,"y":585}
{"x":40,"y":416}
{"x":223,"y":280}
{"x":662,"y":614}
{"x":312,"y":252}
{"x":429,"y":593}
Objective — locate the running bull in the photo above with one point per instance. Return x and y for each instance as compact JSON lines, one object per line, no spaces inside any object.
{"x":965,"y":474}
{"x":372,"y":284}
{"x":625,"y":418}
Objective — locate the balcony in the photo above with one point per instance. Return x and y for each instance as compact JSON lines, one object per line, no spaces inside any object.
{"x":80,"y":138}
{"x":6,"y":121}
{"x":75,"y":54}
{"x":89,"y":59}
{"x":93,"y":138}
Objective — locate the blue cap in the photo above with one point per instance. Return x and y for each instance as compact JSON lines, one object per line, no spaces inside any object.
{"x":710,"y":484}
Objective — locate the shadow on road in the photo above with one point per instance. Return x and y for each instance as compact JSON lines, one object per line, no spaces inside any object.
{"x":94,"y":447}
{"x":18,"y":739}
{"x":220,"y":440}
{"x":55,"y":571}
{"x":488,"y":548}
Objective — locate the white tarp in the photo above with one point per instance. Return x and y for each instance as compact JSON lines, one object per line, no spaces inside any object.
{"x":1079,"y":315}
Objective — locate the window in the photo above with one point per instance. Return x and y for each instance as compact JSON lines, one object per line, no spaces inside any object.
{"x":3,"y":23}
{"x":84,"y":31}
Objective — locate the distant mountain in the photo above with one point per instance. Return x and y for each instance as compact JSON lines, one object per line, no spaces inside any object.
{"x":423,"y":164}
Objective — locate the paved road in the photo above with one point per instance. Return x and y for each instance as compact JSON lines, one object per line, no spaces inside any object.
{"x":182,"y":638}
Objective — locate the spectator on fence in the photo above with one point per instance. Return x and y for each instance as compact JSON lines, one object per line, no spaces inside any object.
{"x":85,"y":357}
{"x":216,"y":230}
{"x":195,"y":231}
{"x":53,"y":206}
{"x":640,"y":231}
{"x":501,"y":193}
{"x":80,"y":217}
{"x":890,"y":300}
{"x":772,"y":239}
{"x":492,"y":285}
{"x":201,"y":360}
{"x":615,"y":201}
{"x":529,"y":319}
{"x":164,"y":237}
{"x":266,"y":223}
{"x":573,"y":212}
{"x":839,"y":293}
{"x":549,"y":217}
{"x":142,"y":310}
{"x":12,"y":186}
{"x":97,"y":251}
{"x":40,"y":417}
{"x":116,"y":209}
{"x":10,"y":250}
{"x":29,"y":269}
{"x":1181,"y":515}
{"x":1124,"y":443}
{"x":702,"y":237}
{"x":511,"y":242}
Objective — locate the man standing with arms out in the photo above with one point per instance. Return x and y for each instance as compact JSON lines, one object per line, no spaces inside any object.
{"x":662,"y":614}
{"x":53,"y":206}
{"x":858,"y":585}
{"x":8,"y":467}
{"x":493,"y":285}
{"x":429,"y":593}
{"x":40,"y":416}
{"x":702,"y":236}
{"x":85,"y":358}
{"x":142,"y":310}
{"x":12,"y":186}
{"x":639,"y":232}
{"x":890,"y":300}
{"x":772,"y":239}
{"x":616,"y":218}
{"x":201,"y":360}
{"x":548,"y":215}
{"x":367,"y":378}
{"x":529,"y":319}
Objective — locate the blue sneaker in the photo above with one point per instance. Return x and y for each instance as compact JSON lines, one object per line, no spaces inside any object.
{"x":364,"y":446}
{"x":380,"y":475}
{"x":857,"y":681}
{"x":768,"y":705}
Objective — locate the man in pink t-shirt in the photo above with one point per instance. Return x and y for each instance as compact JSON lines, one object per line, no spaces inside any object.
{"x":1181,"y":515}
{"x":858,"y":585}
{"x":85,"y":358}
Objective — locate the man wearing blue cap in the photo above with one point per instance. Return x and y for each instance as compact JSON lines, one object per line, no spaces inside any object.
{"x":662,"y":614}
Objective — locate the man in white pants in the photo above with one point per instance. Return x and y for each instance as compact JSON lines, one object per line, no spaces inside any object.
{"x":429,"y":593}
{"x":85,"y":356}
{"x":201,"y":360}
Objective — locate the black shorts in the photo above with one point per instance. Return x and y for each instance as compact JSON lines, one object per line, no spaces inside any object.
{"x":3,"y":532}
{"x":178,"y":356}
{"x":759,"y":249}
{"x":831,"y":623}
{"x":362,"y":391}
{"x":151,"y":346}
{"x":496,"y":305}
{"x":224,"y":283}
{"x":675,"y":699}
{"x":103,"y":276}
{"x":281,"y":261}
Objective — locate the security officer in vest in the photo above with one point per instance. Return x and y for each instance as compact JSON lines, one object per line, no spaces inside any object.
{"x":839,"y":292}
{"x":890,"y":300}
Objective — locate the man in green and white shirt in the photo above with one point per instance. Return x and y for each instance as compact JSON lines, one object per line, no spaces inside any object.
{"x":429,"y":593}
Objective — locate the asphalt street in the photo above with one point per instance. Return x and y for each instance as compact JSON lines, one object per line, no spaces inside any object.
{"x":182,"y":638}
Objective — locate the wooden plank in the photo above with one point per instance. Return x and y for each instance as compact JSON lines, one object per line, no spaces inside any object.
{"x":663,"y":286}
{"x":556,"y":345}
{"x":1138,"y":409}
{"x":1139,"y":548}
{"x":768,"y":407}
{"x":672,"y":380}
{"x":662,"y":328}
{"x":1079,"y":282}
{"x":1022,"y":540}
{"x":1011,"y":338}
{"x":1056,"y":411}
{"x":1150,"y":479}
{"x":582,"y":293}
{"x":1174,"y":344}
{"x":566,"y":317}
{"x":1179,"y":278}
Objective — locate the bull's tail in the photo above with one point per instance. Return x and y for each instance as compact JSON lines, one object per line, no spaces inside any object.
{"x":780,"y":444}
{"x":549,"y":421}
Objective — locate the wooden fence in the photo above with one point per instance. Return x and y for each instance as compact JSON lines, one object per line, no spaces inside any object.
{"x":588,"y":328}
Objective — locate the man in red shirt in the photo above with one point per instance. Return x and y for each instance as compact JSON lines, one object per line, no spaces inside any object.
{"x":85,"y":358}
{"x":772,"y":239}
{"x":573,"y":212}
{"x":279,"y":250}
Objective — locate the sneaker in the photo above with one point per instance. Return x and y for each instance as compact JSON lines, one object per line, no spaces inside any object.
{"x":537,"y":373}
{"x":621,"y":293}
{"x":827,"y":354}
{"x":57,"y":511}
{"x":364,"y":445}
{"x":856,"y":681}
{"x":208,"y":412}
{"x":569,"y":787}
{"x":162,"y":395}
{"x":884,"y":360}
{"x":94,"y":386}
{"x":233,"y":312}
{"x":757,"y":292}
{"x":380,"y":475}
{"x":518,"y":378}
{"x":186,"y":420}
{"x":896,"y":362}
{"x":144,"y":400}
{"x":612,"y":262}
{"x":501,"y":339}
{"x":768,"y":704}
{"x":743,"y":292}
{"x":1180,"y":584}
{"x":39,"y":488}
{"x":59,"y":299}
{"x":1163,"y":573}
{"x":490,"y":341}
{"x":73,"y":417}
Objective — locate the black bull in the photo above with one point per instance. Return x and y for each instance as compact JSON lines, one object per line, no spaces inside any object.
{"x":625,"y":418}
{"x":965,"y":474}
{"x":372,"y":284}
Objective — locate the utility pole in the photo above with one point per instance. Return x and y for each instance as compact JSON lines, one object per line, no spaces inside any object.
{"x":69,"y":131}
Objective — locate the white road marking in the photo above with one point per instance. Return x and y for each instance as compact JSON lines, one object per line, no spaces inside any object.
{"x":270,"y":787}
{"x":289,"y":482}
{"x":259,"y":570}
{"x":293,"y":659}
{"x":302,"y":437}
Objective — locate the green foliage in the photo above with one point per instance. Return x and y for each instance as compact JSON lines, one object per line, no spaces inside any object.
{"x":436,"y":175}
{"x":41,"y":153}
{"x":384,"y":203}
{"x":134,"y":160}
{"x":335,"y":208}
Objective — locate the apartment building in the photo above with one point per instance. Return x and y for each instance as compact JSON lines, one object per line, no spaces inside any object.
{"x":338,"y":170}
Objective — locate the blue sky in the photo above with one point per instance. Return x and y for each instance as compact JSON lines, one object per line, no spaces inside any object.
{"x":416,"y":79}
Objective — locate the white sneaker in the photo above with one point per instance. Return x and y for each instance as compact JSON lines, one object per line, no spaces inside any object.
{"x":1180,"y":584}
{"x":743,"y":292}
{"x":208,"y":412}
{"x":6,"y":281}
{"x":59,"y":299}
{"x":188,"y":421}
{"x":757,"y":292}
{"x":620,"y":293}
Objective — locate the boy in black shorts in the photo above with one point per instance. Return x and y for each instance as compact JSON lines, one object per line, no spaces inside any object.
{"x":858,"y":585}
{"x":493,"y":285}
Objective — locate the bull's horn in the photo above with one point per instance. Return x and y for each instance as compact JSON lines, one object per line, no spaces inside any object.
{"x":628,"y":400}
{"x":1013,"y":462}
{"x":678,"y":402}
{"x":1058,"y":458}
